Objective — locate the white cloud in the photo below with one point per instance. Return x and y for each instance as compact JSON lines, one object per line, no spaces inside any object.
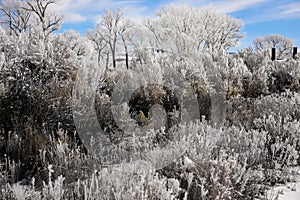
{"x":229,"y":6}
{"x":136,"y":13}
{"x":292,"y":9}
{"x":126,"y":2}
{"x":226,"y":6}
{"x":75,"y":18}
{"x":72,"y":5}
{"x":277,"y":11}
{"x":77,"y":11}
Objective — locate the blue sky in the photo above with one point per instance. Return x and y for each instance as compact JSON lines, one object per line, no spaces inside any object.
{"x":261,"y":17}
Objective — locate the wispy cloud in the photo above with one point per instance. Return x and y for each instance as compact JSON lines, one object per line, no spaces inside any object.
{"x":230,"y":6}
{"x":135,"y":12}
{"x":77,"y":11}
{"x":276,"y":11}
{"x":290,"y":10}
{"x":126,"y":2}
{"x":226,"y":6}
{"x":75,"y":18}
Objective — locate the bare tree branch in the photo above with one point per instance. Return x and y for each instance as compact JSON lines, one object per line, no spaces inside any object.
{"x":283,"y":45}
{"x":49,"y":22}
{"x":14,"y":17}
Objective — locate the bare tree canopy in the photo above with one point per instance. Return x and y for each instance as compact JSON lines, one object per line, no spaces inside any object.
{"x":195,"y":28}
{"x":111,"y":30}
{"x":283,"y":45}
{"x":14,"y":17}
{"x":48,"y":21}
{"x":18,"y":16}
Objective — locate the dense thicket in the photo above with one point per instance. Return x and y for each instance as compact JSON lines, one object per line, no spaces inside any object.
{"x":167,"y":86}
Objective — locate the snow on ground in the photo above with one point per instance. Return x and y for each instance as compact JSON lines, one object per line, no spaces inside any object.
{"x":291,"y":191}
{"x":293,"y":194}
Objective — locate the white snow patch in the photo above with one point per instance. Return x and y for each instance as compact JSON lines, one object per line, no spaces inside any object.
{"x":290,"y":191}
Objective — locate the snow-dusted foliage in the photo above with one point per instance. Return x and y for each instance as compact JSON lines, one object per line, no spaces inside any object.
{"x":37,"y":77}
{"x":33,"y":16}
{"x":184,"y":30}
{"x":283,"y":45}
{"x":153,"y":111}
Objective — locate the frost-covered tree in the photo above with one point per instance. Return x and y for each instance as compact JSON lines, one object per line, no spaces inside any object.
{"x":99,"y":43}
{"x":34,"y":16}
{"x":109,"y":24}
{"x":124,"y":33}
{"x":142,"y":42}
{"x":184,"y":29}
{"x":38,"y":76}
{"x":221,"y":31}
{"x":45,"y":19}
{"x":14,"y":17}
{"x":282,"y":44}
{"x":111,"y":31}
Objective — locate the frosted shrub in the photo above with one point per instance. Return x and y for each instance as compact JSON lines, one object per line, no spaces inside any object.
{"x":222,"y":160}
{"x":45,"y":83}
{"x":37,"y":77}
{"x":283,"y":139}
{"x":259,"y":82}
{"x":235,"y":73}
{"x":292,"y":69}
{"x":66,"y":159}
{"x":243,"y":111}
{"x":228,"y":163}
{"x":105,"y":184}
{"x":219,"y":163}
{"x":120,"y":185}
{"x":54,"y":189}
{"x":24,"y":192}
{"x":263,"y":76}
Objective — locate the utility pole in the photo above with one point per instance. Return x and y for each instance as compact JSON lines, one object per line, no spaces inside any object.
{"x":273,"y":53}
{"x":294,"y":52}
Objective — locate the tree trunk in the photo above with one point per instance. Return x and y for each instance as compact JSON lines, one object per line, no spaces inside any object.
{"x":114,"y":53}
{"x":107,"y":60}
{"x":126,"y":53}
